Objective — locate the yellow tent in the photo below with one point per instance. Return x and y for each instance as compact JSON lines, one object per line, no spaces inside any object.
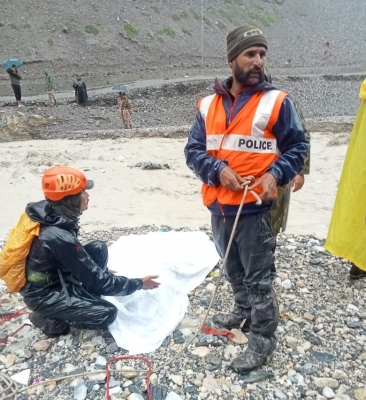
{"x":347,"y":231}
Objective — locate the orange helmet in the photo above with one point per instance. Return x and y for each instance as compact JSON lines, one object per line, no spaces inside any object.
{"x":59,"y":182}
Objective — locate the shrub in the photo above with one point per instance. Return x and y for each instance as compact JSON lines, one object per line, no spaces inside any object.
{"x":224,"y":13}
{"x":271,"y":18}
{"x":65,"y":29}
{"x":156,"y":9}
{"x":91,"y":29}
{"x":14,"y":26}
{"x":180,"y":16}
{"x":187,"y":32}
{"x":221,"y":25}
{"x":167,"y":31}
{"x":207,"y":21}
{"x":130,"y":29}
{"x":50,"y":42}
{"x":195,"y":14}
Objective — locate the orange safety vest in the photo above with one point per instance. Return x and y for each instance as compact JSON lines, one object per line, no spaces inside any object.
{"x":247,"y":144}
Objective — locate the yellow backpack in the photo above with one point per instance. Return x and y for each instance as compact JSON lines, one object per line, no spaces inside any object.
{"x":15,"y":252}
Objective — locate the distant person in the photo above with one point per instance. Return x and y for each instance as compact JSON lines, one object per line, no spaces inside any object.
{"x":49,"y":85}
{"x":125,"y":109}
{"x":15,"y":79}
{"x":81,"y":93}
{"x":347,"y":231}
{"x":281,"y":205}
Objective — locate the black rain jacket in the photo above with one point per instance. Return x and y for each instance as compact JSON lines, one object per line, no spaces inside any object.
{"x":57,"y":247}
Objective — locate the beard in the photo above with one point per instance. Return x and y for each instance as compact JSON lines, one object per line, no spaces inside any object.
{"x":246,"y":78}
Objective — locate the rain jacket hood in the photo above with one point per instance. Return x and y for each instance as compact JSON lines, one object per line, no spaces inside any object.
{"x":44,"y":213}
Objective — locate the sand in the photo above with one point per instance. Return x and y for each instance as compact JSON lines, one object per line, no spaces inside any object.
{"x":130,"y":197}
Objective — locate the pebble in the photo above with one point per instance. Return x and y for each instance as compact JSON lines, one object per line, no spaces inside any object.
{"x":42,"y":345}
{"x":178,"y":379}
{"x":339,"y":375}
{"x":328,"y":393}
{"x":210,"y":383}
{"x":286,"y":284}
{"x":280,"y":395}
{"x":239,"y":337}
{"x":129,"y":372}
{"x":230,"y":352}
{"x":201,"y":351}
{"x":80,"y":391}
{"x":323,"y":382}
{"x":135,"y":396}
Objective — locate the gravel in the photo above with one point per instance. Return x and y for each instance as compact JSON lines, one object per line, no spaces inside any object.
{"x":319,"y":355}
{"x":174,"y":105}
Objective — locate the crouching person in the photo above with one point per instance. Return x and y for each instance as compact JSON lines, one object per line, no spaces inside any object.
{"x":64,"y":279}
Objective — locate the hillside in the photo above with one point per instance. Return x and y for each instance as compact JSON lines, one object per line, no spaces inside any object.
{"x":107,"y":38}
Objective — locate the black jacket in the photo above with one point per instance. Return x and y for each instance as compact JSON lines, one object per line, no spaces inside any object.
{"x":57,"y":247}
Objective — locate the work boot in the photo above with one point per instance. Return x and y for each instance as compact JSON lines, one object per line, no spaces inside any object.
{"x":228,"y":321}
{"x":356,"y":273}
{"x":47,"y":325}
{"x":259,"y":351}
{"x":36,"y":319}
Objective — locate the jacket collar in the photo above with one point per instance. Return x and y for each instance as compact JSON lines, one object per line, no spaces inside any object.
{"x":223,"y":87}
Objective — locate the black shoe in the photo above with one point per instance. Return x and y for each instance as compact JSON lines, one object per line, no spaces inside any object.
{"x":251,"y":359}
{"x":228,"y":321}
{"x":356,"y":273}
{"x":39,"y":322}
{"x":36,"y":319}
{"x":56,"y":335}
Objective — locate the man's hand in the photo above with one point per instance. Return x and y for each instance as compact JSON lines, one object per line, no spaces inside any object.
{"x":269,"y":185}
{"x":298,"y":182}
{"x":149,"y":283}
{"x":231,"y":180}
{"x":112,"y":271}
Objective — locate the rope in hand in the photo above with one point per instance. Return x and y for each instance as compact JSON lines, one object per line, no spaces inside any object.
{"x":247,"y":181}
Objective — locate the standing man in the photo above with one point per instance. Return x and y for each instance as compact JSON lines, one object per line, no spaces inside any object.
{"x":15,"y":79}
{"x":125,"y":109}
{"x":81,"y":93}
{"x":49,"y":85}
{"x":246,"y":128}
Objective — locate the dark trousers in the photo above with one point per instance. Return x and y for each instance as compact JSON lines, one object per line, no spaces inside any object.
{"x":17,"y":92}
{"x":87,"y":309}
{"x":250,"y":268}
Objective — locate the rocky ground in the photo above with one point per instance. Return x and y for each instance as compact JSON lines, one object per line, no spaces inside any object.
{"x":321,"y":352}
{"x":174,"y":104}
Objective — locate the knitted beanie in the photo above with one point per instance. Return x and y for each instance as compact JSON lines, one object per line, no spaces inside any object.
{"x":243,"y":37}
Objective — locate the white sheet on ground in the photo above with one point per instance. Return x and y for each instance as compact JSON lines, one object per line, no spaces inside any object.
{"x":181,"y":259}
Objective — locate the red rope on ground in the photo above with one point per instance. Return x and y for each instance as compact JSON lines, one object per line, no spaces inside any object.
{"x":6,"y":318}
{"x":131,"y":358}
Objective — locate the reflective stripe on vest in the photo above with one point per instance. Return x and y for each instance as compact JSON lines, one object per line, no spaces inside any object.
{"x":247,"y":144}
